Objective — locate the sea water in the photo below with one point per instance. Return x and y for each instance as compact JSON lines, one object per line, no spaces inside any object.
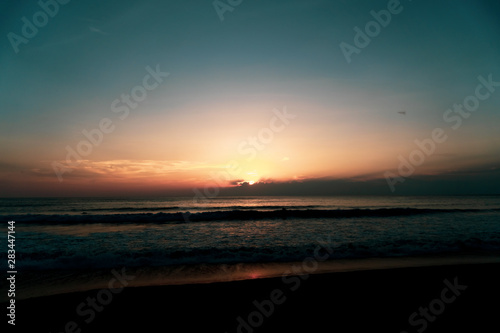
{"x":102,"y":233}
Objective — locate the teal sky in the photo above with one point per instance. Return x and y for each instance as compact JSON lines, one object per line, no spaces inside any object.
{"x":226,"y":77}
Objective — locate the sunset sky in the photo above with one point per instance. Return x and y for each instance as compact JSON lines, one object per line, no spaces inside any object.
{"x":264,"y":95}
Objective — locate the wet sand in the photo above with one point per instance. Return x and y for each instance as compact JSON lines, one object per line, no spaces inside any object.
{"x":450,"y":298}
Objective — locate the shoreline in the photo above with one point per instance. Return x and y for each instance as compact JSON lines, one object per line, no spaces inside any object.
{"x":344,"y":301}
{"x":34,"y":284}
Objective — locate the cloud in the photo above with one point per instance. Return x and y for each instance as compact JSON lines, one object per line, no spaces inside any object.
{"x":75,"y":38}
{"x":465,"y":182}
{"x":236,"y":182}
{"x":96,"y":30}
{"x":121,"y":169}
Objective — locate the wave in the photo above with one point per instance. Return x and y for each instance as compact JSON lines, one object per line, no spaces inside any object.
{"x":230,"y":215}
{"x":127,"y":209}
{"x":198,"y":208}
{"x":96,"y":258}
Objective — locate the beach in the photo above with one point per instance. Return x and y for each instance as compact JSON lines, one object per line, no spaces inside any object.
{"x":287,"y":264}
{"x":250,"y":166}
{"x":350,"y":301}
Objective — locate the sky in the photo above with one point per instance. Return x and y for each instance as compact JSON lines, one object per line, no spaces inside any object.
{"x":262,"y":97}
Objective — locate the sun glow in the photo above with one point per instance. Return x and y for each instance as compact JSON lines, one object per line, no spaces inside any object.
{"x":246,"y":182}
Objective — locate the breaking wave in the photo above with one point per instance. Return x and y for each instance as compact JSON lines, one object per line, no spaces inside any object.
{"x":242,"y":214}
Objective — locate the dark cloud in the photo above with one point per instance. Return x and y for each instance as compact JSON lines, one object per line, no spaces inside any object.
{"x":236,"y":181}
{"x":471,"y":182}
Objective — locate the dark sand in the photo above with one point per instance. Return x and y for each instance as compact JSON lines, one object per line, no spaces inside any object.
{"x":362,"y":301}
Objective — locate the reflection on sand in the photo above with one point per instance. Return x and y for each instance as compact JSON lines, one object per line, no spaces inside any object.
{"x":37,"y":284}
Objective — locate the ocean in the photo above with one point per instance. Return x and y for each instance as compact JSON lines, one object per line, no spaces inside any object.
{"x":103,"y":233}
